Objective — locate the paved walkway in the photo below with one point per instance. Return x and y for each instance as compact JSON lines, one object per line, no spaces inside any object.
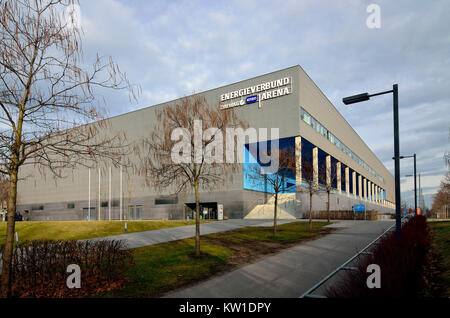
{"x":293,"y":271}
{"x":140,"y":239}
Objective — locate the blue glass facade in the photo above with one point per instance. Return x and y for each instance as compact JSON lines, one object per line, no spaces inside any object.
{"x":310,"y":120}
{"x":334,"y":172}
{"x":307,"y":149}
{"x":322,"y":158}
{"x":343,"y":188}
{"x":253,"y":162}
{"x":350,"y":181}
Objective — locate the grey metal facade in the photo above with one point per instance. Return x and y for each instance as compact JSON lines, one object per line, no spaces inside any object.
{"x":42,"y":197}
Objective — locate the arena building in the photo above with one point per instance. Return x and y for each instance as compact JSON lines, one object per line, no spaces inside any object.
{"x":287,"y":99}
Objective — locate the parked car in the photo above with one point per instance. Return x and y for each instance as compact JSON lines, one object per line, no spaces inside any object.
{"x":18,"y":216}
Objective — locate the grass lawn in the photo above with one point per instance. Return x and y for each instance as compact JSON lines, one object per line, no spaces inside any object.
{"x":286,"y":233}
{"x":162,"y":267}
{"x":442,"y":245}
{"x":77,"y":230}
{"x":167,"y":266}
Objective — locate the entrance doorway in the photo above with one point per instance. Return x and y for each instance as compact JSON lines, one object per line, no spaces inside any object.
{"x":89,"y":216}
{"x":135,"y":212}
{"x":208,"y":211}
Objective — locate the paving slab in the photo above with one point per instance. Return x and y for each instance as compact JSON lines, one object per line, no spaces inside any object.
{"x":293,"y":271}
{"x":140,"y":239}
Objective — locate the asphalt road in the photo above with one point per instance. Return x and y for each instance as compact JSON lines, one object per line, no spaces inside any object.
{"x":293,"y":271}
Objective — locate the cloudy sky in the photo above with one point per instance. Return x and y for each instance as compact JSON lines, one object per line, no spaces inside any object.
{"x":173,"y":48}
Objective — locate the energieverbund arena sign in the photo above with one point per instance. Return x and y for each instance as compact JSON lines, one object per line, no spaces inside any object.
{"x":260,"y":92}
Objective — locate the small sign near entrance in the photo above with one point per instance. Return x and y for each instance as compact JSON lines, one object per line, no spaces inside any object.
{"x":220,"y":211}
{"x":359,"y":208}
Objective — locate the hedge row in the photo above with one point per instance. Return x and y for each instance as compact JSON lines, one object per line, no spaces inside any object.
{"x":40,"y":267}
{"x":404,"y":265}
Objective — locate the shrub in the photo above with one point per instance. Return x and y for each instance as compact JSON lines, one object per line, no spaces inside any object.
{"x":39,"y":267}
{"x":403,"y":265}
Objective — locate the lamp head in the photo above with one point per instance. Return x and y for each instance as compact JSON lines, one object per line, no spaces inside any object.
{"x":356,"y":98}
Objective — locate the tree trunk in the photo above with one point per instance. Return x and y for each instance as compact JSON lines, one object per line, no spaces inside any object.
{"x":197,"y":221}
{"x":328,"y":206}
{"x":310,"y":210}
{"x":9,"y":246}
{"x":275,"y":215}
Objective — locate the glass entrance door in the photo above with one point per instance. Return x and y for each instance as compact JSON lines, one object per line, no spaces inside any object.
{"x":131,"y":212}
{"x":138,"y":212}
{"x":135,"y":212}
{"x":89,"y":216}
{"x":208,"y":211}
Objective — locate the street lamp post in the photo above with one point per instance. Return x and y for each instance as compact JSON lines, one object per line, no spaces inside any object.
{"x":363,"y":97}
{"x":421,"y":202}
{"x":415,"y":180}
{"x":415,"y":186}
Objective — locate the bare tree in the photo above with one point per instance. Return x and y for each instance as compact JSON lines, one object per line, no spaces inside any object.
{"x":441,"y":200}
{"x":200,"y":159}
{"x":309,"y":184}
{"x":4,"y":194}
{"x":48,"y":114}
{"x":4,"y":188}
{"x":327,"y":176}
{"x":258,"y":176}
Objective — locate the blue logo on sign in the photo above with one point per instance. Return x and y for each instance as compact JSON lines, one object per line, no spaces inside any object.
{"x":359,"y":208}
{"x":251,"y":99}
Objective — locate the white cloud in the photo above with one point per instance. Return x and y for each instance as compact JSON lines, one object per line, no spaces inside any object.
{"x":174,"y":48}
